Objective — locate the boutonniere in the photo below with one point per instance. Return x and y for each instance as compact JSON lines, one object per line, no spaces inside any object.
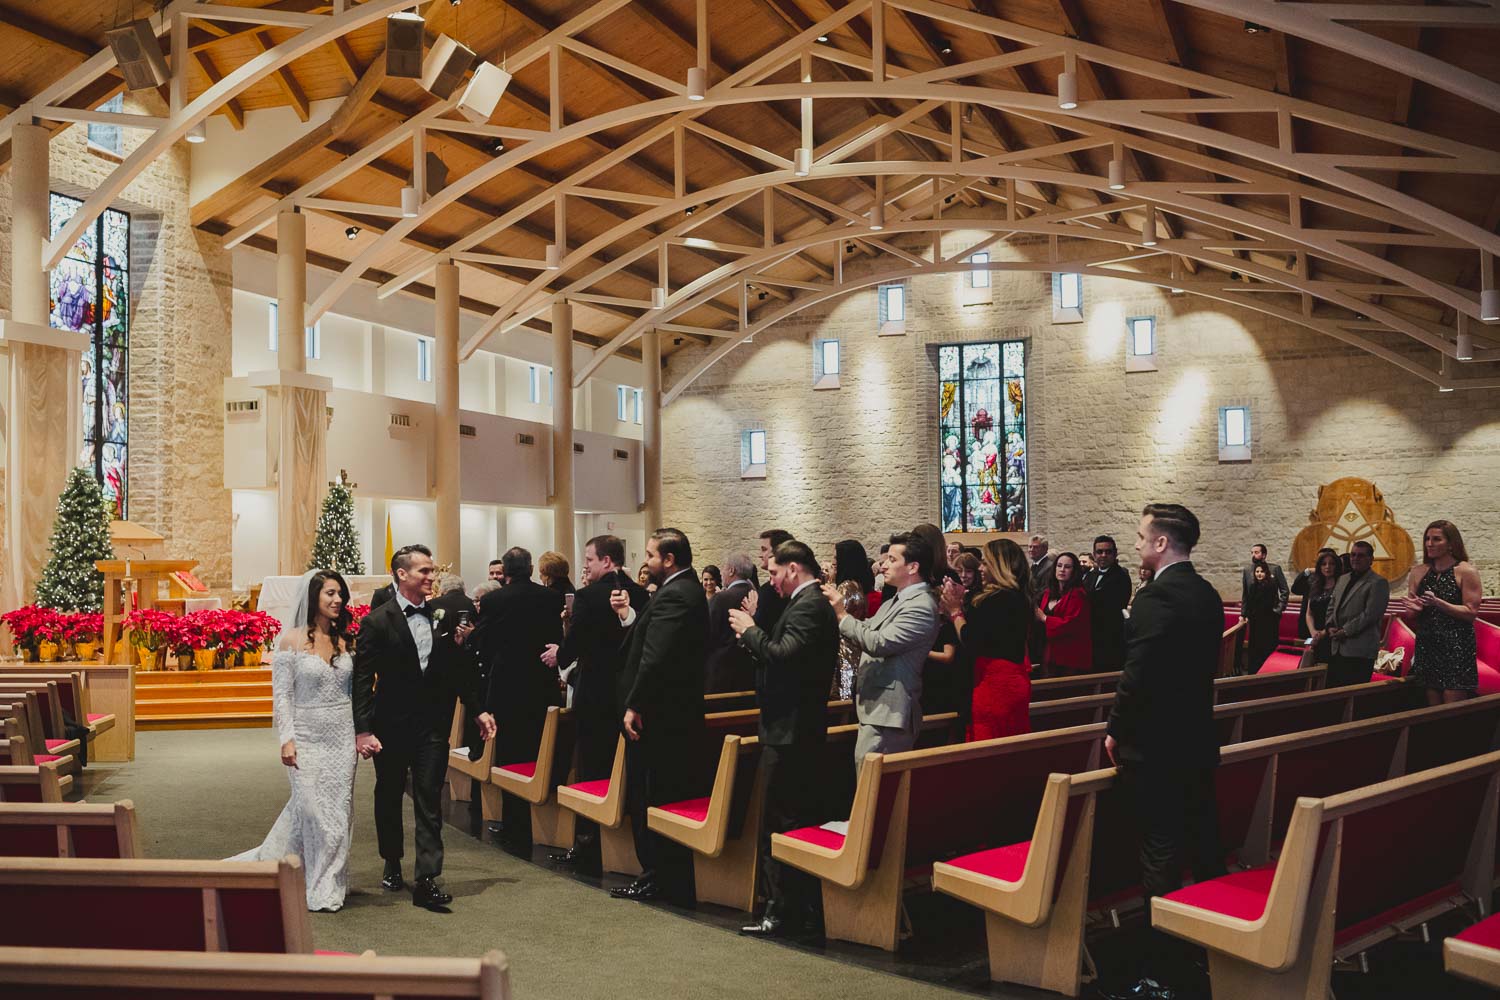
{"x":437,"y":615}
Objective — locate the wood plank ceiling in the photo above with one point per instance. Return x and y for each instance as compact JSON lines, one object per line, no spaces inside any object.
{"x":1364,"y":285}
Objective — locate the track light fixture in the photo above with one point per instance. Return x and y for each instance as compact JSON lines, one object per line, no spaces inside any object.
{"x":497,"y":146}
{"x":877,"y":216}
{"x":690,"y":210}
{"x":944,"y":47}
{"x":802,"y":161}
{"x":658,"y":298}
{"x":1116,"y":175}
{"x":411,"y":202}
{"x":553,"y":257}
{"x":1251,"y":28}
{"x":697,"y":83}
{"x":823,"y":39}
{"x":197,"y":133}
{"x":1148,"y":228}
{"x":1067,"y":90}
{"x":351,"y":232}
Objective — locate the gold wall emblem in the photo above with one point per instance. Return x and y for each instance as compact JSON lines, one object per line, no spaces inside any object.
{"x":1353,"y":510}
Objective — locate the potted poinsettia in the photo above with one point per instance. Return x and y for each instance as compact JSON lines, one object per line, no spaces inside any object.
{"x":84,"y":629}
{"x":35,"y":631}
{"x":148,"y":629}
{"x":357,"y":614}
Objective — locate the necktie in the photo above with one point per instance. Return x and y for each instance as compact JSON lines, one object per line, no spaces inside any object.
{"x":419,"y":609}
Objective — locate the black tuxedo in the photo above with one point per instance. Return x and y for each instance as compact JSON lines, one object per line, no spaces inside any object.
{"x":410,"y":712}
{"x":662,"y":679}
{"x":794,"y":668}
{"x":516,"y":623}
{"x":728,"y":667}
{"x":1167,"y":745}
{"x":1109,"y":595}
{"x":595,"y":640}
{"x":768,"y":606}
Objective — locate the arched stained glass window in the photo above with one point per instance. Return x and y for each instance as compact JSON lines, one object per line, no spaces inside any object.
{"x":982,"y":421}
{"x":91,"y":294}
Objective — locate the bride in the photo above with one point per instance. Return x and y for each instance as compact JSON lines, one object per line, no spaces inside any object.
{"x":312,"y":673}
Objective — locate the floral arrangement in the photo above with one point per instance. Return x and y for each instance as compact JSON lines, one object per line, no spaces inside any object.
{"x":149,"y":628}
{"x":83,"y":626}
{"x":237,"y":631}
{"x":32,"y":625}
{"x":357,"y":614}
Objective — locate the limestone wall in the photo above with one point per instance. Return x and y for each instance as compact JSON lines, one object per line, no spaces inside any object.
{"x":861,"y":460}
{"x":179,"y":345}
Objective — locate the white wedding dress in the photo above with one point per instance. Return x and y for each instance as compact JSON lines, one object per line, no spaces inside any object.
{"x":311,"y":704}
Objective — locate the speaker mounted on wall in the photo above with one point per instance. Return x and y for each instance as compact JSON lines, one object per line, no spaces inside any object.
{"x":444,"y":68}
{"x":138,"y":55}
{"x":482,"y":95}
{"x":405,"y":35}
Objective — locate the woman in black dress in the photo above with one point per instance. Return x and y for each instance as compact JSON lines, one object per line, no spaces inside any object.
{"x":993,"y":627}
{"x":1325,"y":575}
{"x":1265,"y":621}
{"x":1441,"y":607}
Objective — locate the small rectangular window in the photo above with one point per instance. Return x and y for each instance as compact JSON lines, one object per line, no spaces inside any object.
{"x":979,"y":277}
{"x":827,"y":362}
{"x":533,"y":384}
{"x":1067,"y":297}
{"x":313,"y":342}
{"x":753,"y":454}
{"x":757,"y":447}
{"x":830,"y":352}
{"x":1142,"y":335}
{"x":621,"y":414}
{"x":894,"y":299}
{"x":1234,"y":434}
{"x":639,"y":409}
{"x":424,"y":359}
{"x":1235,"y":426}
{"x":108,"y":137}
{"x":273,"y":326}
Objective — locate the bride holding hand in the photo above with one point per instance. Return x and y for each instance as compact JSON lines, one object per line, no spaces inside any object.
{"x":312,"y":675}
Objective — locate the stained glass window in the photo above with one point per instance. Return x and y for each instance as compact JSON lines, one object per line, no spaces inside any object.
{"x":91,"y":294}
{"x":982,"y":436}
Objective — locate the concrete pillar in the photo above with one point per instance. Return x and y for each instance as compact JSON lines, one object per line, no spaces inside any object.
{"x":445,"y":382}
{"x":562,"y":429}
{"x":651,"y":426}
{"x":30,"y":179}
{"x":291,"y":291}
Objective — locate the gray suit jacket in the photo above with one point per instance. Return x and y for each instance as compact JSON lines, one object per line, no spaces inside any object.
{"x":1358,"y":607}
{"x":895,"y":642}
{"x":1041,"y":572}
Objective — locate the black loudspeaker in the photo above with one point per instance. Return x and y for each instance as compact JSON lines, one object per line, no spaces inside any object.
{"x":138,"y":55}
{"x":444,"y":68}
{"x":405,"y":34}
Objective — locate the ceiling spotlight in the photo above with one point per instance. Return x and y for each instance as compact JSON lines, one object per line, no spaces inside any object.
{"x":1148,"y":228}
{"x":497,"y":146}
{"x":1067,"y":90}
{"x":944,"y":47}
{"x":1445,"y":388}
{"x":802,"y":161}
{"x":877,"y":216}
{"x":658,"y":298}
{"x":454,"y":3}
{"x":1251,"y":28}
{"x":411,"y":202}
{"x":823,"y":39}
{"x":762,"y":295}
{"x":1465,"y":348}
{"x":553,"y":258}
{"x":697,"y":83}
{"x":690,"y":210}
{"x":1489,"y":304}
{"x":1116,"y":175}
{"x":351,"y":232}
{"x":197,"y":133}
{"x":1177,"y":291}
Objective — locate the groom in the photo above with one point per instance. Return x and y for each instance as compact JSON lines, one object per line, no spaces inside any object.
{"x":404,"y":722}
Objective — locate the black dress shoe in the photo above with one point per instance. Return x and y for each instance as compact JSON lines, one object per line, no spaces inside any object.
{"x":766,"y":927}
{"x":426,"y":894}
{"x":1146,"y":989}
{"x":641,"y":889}
{"x":569,"y":857}
{"x":393,"y":882}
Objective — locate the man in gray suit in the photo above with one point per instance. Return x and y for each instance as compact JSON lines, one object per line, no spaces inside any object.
{"x":1247,"y":577}
{"x":1354,"y":616}
{"x":895,"y":642}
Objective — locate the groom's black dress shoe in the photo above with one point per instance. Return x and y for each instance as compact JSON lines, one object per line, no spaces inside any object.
{"x":569,"y":857}
{"x":393,"y":882}
{"x":426,"y":894}
{"x":641,"y":890}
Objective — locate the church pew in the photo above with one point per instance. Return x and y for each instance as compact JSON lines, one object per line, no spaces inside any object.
{"x":1225,"y":688}
{"x":1074,"y":685}
{"x":1233,"y":638}
{"x":17,"y":749}
{"x":22,"y":715}
{"x":69,"y":830}
{"x":603,"y":801}
{"x":723,"y":828}
{"x":1474,"y":953}
{"x":535,"y":782}
{"x":462,"y":771}
{"x":47,"y":973}
{"x":38,"y":783}
{"x":1276,"y":930}
{"x":1082,"y":858}
{"x":49,"y":702}
{"x":73,"y":693}
{"x":239,"y":906}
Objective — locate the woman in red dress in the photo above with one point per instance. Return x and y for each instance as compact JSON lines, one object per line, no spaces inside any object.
{"x":993,"y":625}
{"x":1063,"y":609}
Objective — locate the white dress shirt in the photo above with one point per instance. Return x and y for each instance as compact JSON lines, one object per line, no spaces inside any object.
{"x":421,"y":630}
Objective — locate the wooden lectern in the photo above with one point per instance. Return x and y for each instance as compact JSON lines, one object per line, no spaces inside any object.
{"x":146,"y":575}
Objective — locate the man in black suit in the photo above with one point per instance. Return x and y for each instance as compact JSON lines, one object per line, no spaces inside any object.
{"x":1161,"y":733}
{"x":403,"y":723}
{"x":516,"y":623}
{"x":768,"y":603}
{"x":381,"y":595}
{"x":794,"y":667}
{"x":1108,"y":587}
{"x":661,"y":692}
{"x":729,"y":666}
{"x":594,"y":639}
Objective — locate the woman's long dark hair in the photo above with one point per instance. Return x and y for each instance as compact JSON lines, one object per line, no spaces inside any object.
{"x":1316,"y":585}
{"x":851,"y":563}
{"x":340,"y":629}
{"x":1054,"y":589}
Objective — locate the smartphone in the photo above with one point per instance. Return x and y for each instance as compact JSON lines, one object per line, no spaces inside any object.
{"x":568,"y":603}
{"x":463,"y":619}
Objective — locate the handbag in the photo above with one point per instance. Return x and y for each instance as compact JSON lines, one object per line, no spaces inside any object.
{"x":1388,"y":661}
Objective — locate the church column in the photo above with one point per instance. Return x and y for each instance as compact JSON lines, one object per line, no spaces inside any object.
{"x":562,"y":428}
{"x":44,"y":405}
{"x":445,"y":381}
{"x":651,"y":426}
{"x":302,"y":424}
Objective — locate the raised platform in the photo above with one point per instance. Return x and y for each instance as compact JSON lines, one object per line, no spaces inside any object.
{"x":203,"y":699}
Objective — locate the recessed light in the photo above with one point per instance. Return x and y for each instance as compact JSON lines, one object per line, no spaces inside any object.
{"x":351,"y":232}
{"x":823,"y":38}
{"x":944,"y":47}
{"x":1251,"y":28}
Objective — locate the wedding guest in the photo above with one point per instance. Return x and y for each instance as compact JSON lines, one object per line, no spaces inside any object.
{"x":1261,"y":608}
{"x":497,"y":571}
{"x":943,"y":687}
{"x":851,"y":564}
{"x":970,"y":577}
{"x":855,"y":580}
{"x":1258,"y":554}
{"x":553,"y":568}
{"x":311,"y":680}
{"x":1063,"y":611}
{"x":768,"y":603}
{"x":934,"y":538}
{"x":728,"y":666}
{"x":1317,"y":593}
{"x":1356,"y":612}
{"x":1108,"y":587}
{"x":1041,"y":578}
{"x":712,"y":581}
{"x":1441,"y":606}
{"x":993,"y":626}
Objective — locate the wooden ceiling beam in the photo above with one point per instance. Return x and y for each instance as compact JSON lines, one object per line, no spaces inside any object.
{"x":232,"y":106}
{"x":57,"y":37}
{"x":284,"y":78}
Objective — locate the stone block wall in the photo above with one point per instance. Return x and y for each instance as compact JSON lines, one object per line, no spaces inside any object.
{"x":181,"y":286}
{"x":862,"y":460}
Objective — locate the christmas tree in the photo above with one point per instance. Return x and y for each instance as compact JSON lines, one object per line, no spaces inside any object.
{"x":336,"y":546}
{"x":80,"y":535}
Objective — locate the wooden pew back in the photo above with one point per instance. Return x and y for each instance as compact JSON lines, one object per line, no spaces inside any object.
{"x":69,"y":830}
{"x":35,"y":783}
{"x":238,"y":906}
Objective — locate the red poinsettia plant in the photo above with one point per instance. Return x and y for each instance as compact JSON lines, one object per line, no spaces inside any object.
{"x":223,"y":629}
{"x":148,"y":628}
{"x":83,"y":626}
{"x":32,"y":625}
{"x":357,"y":614}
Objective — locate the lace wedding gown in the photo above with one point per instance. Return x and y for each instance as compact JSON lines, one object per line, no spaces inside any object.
{"x":311,"y":704}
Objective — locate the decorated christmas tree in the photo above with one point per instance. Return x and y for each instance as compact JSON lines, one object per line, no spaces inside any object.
{"x":80,"y":535}
{"x":336,"y":546}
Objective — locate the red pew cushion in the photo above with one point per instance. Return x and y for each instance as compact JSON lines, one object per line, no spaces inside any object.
{"x":1003,"y":863}
{"x":526,"y":770}
{"x":598,"y":789}
{"x":54,"y":744}
{"x":96,"y":716}
{"x":42,"y":758}
{"x":819,"y":836}
{"x":1240,"y":894}
{"x":1486,"y":933}
{"x":1279,"y":662}
{"x":693,"y":809}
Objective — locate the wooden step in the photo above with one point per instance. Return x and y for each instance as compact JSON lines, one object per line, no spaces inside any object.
{"x":227,"y":689}
{"x":151,"y":678}
{"x":235,"y":720}
{"x":202,"y":706}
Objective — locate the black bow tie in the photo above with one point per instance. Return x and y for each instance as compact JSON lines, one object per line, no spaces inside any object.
{"x":419,"y":609}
